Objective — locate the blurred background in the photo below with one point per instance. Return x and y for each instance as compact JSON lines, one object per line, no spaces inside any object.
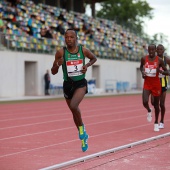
{"x":32,"y":31}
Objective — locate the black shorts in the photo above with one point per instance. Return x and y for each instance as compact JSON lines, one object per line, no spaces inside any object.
{"x":69,"y":87}
{"x":164,"y":89}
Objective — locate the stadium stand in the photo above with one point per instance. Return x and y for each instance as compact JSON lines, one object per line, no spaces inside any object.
{"x":37,"y":28}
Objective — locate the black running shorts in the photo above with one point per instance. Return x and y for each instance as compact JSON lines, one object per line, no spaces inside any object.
{"x":70,"y":86}
{"x":164,"y":89}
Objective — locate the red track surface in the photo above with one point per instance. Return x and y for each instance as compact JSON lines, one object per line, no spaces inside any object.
{"x":41,"y":134}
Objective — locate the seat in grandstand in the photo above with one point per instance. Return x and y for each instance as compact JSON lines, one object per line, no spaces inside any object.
{"x":119,"y":42}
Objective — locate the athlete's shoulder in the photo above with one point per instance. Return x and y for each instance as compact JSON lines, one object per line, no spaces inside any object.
{"x":167,"y":58}
{"x":144,"y":57}
{"x":85,"y":50}
{"x":60,"y":52}
{"x":161,"y":61}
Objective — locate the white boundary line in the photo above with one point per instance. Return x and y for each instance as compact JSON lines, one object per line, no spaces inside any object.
{"x":82,"y":159}
{"x":64,"y":119}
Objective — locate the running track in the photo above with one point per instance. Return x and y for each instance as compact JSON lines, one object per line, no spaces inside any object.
{"x":34,"y":135}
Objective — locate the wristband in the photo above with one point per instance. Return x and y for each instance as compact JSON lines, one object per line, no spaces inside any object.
{"x":58,"y":64}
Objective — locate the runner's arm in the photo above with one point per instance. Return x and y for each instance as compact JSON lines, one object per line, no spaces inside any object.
{"x":142,"y":63}
{"x":168,"y":61}
{"x":87,"y":53}
{"x":165,"y":71}
{"x":57,"y":62}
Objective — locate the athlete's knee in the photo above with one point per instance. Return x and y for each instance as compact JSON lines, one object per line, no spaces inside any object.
{"x":73,"y":106}
{"x":162,"y":106}
{"x":156,"y":106}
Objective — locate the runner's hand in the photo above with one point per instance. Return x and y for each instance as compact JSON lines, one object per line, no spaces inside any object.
{"x":60,"y":61}
{"x":84,"y":69}
{"x":143,"y":74}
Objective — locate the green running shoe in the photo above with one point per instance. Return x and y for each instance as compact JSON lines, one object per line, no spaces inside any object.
{"x":84,"y":146}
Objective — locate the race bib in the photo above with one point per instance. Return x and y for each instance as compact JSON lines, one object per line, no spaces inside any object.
{"x":74,"y":67}
{"x":150,"y":72}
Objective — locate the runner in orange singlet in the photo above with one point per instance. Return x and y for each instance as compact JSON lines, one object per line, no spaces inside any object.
{"x":149,"y":67}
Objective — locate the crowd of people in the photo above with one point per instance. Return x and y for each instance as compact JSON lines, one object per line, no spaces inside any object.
{"x":41,"y":21}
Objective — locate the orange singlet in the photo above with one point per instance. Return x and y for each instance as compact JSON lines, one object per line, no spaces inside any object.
{"x":152,"y":80}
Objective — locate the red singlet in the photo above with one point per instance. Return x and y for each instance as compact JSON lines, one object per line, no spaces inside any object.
{"x":152,"y":81}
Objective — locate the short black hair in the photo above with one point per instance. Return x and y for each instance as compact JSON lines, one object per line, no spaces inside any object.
{"x":161,"y":46}
{"x":71,"y":29}
{"x":152,"y":45}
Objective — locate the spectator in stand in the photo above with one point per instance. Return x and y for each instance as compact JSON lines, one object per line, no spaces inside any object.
{"x":14,"y":21}
{"x":90,"y":32}
{"x":2,"y":26}
{"x":29,"y":30}
{"x":31,"y":20}
{"x":1,"y":9}
{"x":45,"y":33}
{"x":60,"y":28}
{"x":29,"y":25}
{"x":85,"y":26}
{"x":70,"y":25}
{"x":48,"y":33}
{"x":61,"y":17}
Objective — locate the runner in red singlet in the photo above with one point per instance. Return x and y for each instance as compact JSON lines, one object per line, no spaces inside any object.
{"x":149,"y":67}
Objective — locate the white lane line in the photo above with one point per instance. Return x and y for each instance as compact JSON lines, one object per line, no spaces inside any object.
{"x":62,"y":112}
{"x":97,"y":115}
{"x":43,"y":147}
{"x":49,"y":105}
{"x":71,"y":127}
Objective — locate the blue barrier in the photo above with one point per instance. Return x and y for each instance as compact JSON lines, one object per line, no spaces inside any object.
{"x":125,"y":86}
{"x":91,"y":86}
{"x":119,"y":86}
{"x":122,"y":86}
{"x":54,"y":89}
{"x":92,"y":81}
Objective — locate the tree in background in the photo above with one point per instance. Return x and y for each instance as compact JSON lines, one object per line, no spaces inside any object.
{"x":160,"y":38}
{"x":128,"y":13}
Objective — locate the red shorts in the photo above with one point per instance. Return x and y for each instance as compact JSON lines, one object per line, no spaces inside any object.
{"x":153,"y":86}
